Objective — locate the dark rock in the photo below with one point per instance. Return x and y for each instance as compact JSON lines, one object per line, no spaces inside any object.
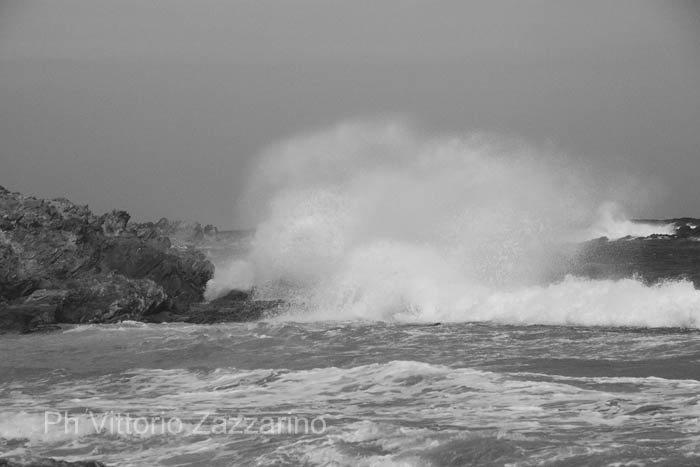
{"x":235,"y":306}
{"x":96,"y":299}
{"x":36,"y":312}
{"x":49,"y":463}
{"x":210,"y":231}
{"x":111,"y":298}
{"x":183,"y":274}
{"x":233,"y":296}
{"x":114,"y":223}
{"x":241,"y":311}
{"x":26,"y":318}
{"x":684,"y":231}
{"x":10,"y":282}
{"x":47,"y":297}
{"x":59,"y":263}
{"x":108,"y":268}
{"x":166,"y":316}
{"x":182,"y":234}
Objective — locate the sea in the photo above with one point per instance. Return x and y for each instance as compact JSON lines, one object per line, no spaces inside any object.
{"x":432,"y":318}
{"x":357,"y":393}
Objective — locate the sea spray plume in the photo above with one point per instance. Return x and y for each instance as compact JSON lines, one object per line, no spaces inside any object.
{"x":612,"y":222}
{"x":375,"y":221}
{"x":478,"y":204}
{"x":236,"y":274}
{"x":481,"y":208}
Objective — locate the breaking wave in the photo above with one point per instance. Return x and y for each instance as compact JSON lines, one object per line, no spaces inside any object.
{"x":614,"y":224}
{"x":376,"y":221}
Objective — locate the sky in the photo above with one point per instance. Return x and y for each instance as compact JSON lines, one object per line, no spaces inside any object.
{"x":162,"y":107}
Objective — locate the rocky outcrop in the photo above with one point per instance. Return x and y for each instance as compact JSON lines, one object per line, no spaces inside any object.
{"x":652,"y":259}
{"x":61,"y":263}
{"x":218,"y":246}
{"x":110,"y":298}
{"x":685,"y":227}
{"x":236,"y":306}
{"x":182,"y":234}
{"x":26,"y":318}
{"x":183,"y":274}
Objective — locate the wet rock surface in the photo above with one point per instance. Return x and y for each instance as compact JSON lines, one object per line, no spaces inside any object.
{"x":652,"y":259}
{"x":50,"y":463}
{"x":60,"y":263}
{"x":236,"y":306}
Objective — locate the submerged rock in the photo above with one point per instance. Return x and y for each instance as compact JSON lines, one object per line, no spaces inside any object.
{"x":236,"y":306}
{"x":50,"y":463}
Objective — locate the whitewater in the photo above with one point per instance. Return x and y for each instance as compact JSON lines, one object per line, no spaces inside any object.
{"x":376,"y":221}
{"x":430,"y":319}
{"x":389,"y":394}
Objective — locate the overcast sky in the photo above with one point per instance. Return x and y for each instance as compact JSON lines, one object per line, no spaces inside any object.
{"x":159,"y":107}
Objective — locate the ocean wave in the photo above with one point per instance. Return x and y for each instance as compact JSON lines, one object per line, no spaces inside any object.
{"x":375,"y":221}
{"x":460,"y":398}
{"x":614,"y":224}
{"x":574,"y":301}
{"x":126,"y":325}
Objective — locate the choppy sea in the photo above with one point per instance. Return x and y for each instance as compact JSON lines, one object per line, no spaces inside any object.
{"x":352,"y":393}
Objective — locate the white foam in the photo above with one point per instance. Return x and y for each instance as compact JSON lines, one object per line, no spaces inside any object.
{"x":372,"y":221}
{"x":614,"y":224}
{"x":573,"y":301}
{"x":366,"y":406}
{"x":234,"y":275}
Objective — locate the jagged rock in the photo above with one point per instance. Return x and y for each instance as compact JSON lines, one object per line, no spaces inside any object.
{"x":183,"y":274}
{"x":47,"y":297}
{"x":59,"y":263}
{"x":96,"y":299}
{"x":26,"y":318}
{"x":10,"y":282}
{"x":236,"y":306}
{"x":110,"y":299}
{"x":233,"y":312}
{"x":114,"y":223}
{"x":38,"y":311}
{"x":107,"y":265}
{"x":182,"y":234}
{"x":234,"y":296}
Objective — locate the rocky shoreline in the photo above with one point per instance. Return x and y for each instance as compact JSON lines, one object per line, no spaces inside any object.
{"x":651,"y":259}
{"x":60,"y":263}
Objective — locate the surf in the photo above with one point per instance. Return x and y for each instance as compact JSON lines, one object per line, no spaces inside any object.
{"x":378,"y":221}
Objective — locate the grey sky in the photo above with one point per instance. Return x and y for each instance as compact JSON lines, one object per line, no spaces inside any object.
{"x":159,"y":107}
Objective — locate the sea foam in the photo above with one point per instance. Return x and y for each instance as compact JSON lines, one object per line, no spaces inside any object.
{"x":613,"y":223}
{"x":376,"y":221}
